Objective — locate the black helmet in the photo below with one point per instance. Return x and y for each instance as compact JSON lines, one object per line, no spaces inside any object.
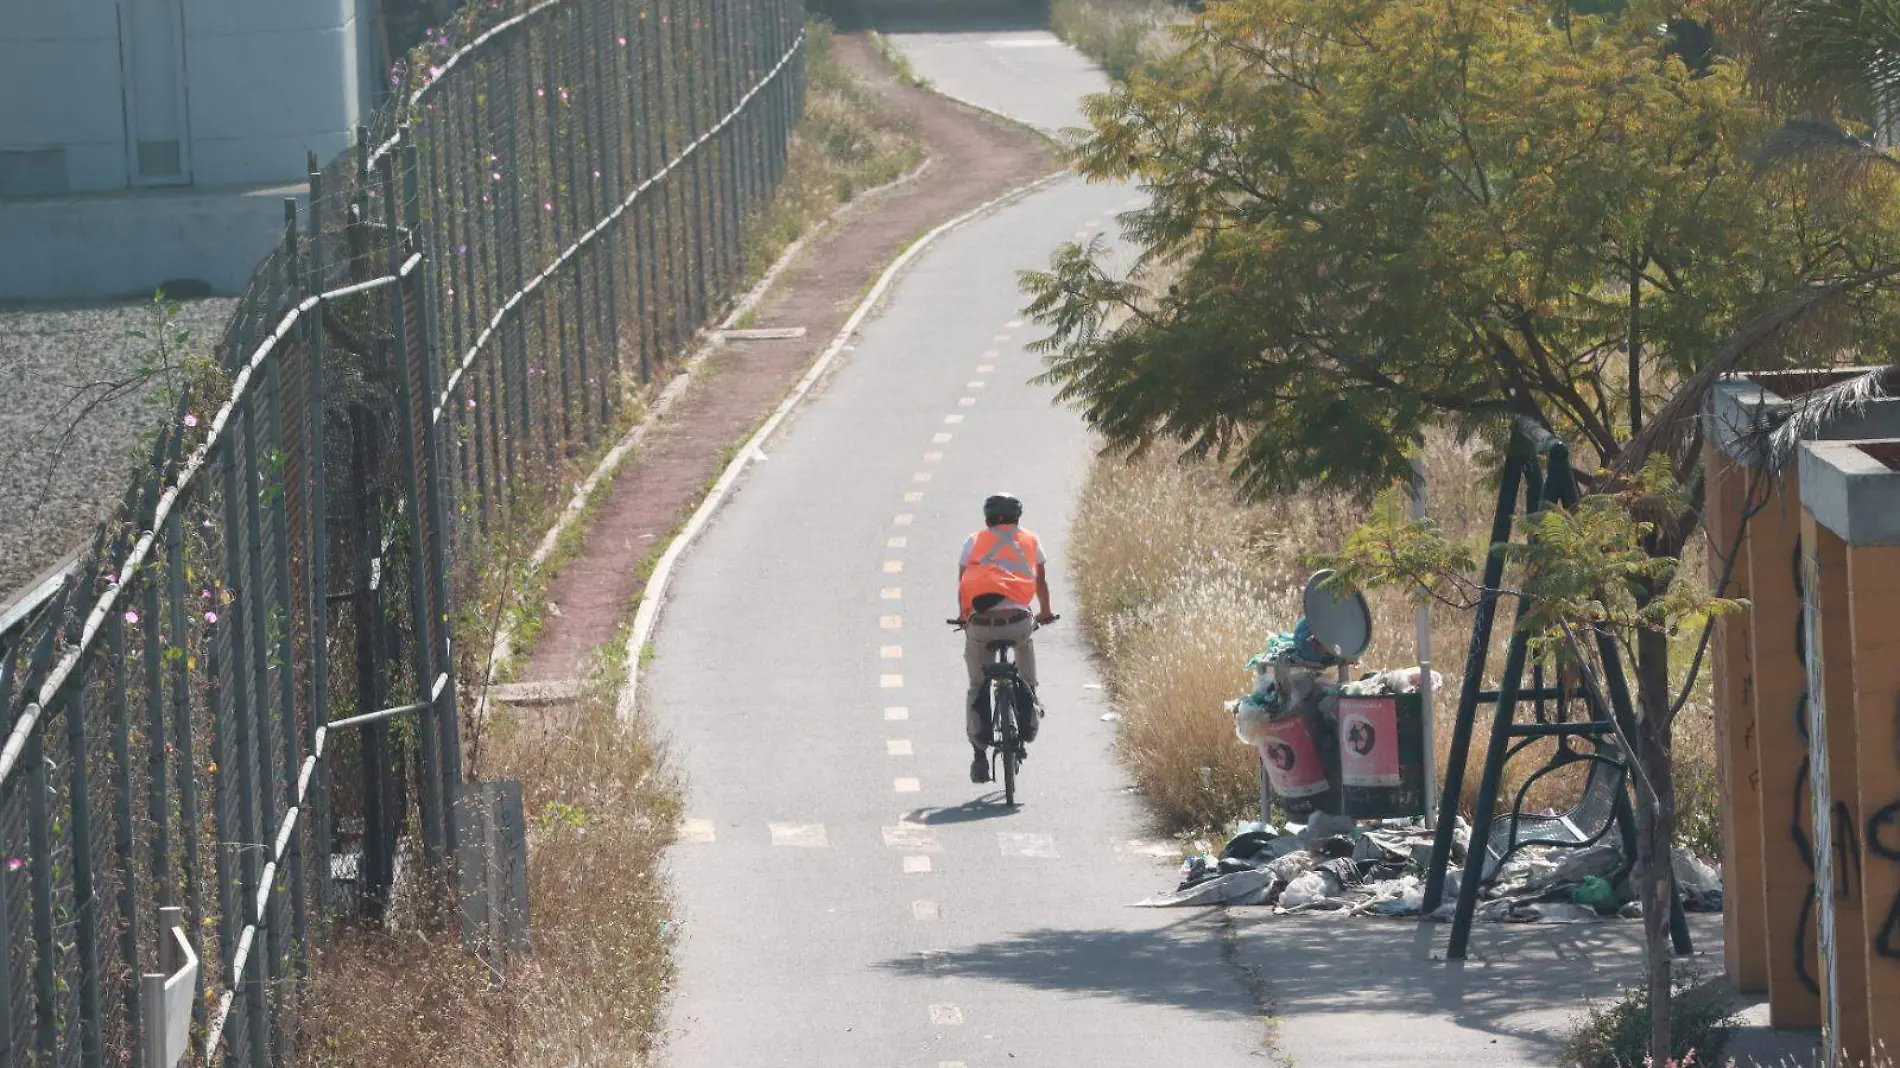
{"x":1002,"y":508}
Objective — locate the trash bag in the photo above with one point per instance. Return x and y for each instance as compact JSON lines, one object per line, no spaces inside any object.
{"x":1595,"y":892}
{"x":1248,"y":845}
{"x":1309,"y":888}
{"x":1240,"y":888}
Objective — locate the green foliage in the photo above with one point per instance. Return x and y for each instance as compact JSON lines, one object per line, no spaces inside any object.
{"x":1368,"y":232}
{"x":1617,"y":1035}
{"x":1113,"y":33}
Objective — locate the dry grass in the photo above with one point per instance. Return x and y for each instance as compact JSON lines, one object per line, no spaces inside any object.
{"x":1177,"y":601}
{"x":602,"y":806}
{"x":849,"y":141}
{"x":1113,"y":33}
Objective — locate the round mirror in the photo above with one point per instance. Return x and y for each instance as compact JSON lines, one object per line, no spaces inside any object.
{"x":1342,"y":623}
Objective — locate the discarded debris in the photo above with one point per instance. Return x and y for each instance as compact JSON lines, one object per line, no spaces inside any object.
{"x":1332,"y":865}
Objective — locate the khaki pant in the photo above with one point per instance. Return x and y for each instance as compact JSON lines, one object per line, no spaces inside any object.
{"x":976,"y":654}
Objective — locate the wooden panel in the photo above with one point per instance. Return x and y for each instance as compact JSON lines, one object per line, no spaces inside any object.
{"x":1873,"y":575}
{"x":1774,"y":638}
{"x":1744,"y":928}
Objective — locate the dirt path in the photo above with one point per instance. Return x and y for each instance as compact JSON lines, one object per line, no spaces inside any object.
{"x":973,"y":159}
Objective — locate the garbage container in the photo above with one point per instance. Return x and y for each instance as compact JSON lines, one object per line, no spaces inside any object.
{"x":1382,"y":756}
{"x":1298,"y":772}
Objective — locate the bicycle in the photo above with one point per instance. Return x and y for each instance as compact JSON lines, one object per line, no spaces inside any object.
{"x":1005,"y":688}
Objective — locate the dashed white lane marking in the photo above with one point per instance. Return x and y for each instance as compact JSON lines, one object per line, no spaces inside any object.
{"x":897,"y":747}
{"x":953,"y":420}
{"x":927,"y":912}
{"x":896,"y":543}
{"x":698,"y":832}
{"x":1093,"y":223}
{"x":893,"y":567}
{"x":1016,"y":844}
{"x":1158,"y":848}
{"x":940,"y":439}
{"x":1081,"y":235}
{"x":891,"y":593}
{"x":920,"y":476}
{"x":946,"y":1015}
{"x":911,"y":836}
{"x":1001,"y":339}
{"x":966,"y":402}
{"x":916,"y":865}
{"x":991,"y":354}
{"x":891,"y":622}
{"x":985,"y":368}
{"x":1017,"y":324}
{"x":906,"y":786}
{"x":799,"y":835}
{"x":903,"y":519}
{"x":913,"y":496}
{"x":896,"y":713}
{"x":933,"y":457}
{"x":890,"y":682}
{"x":976,"y":384}
{"x":951,"y":1064}
{"x":891,"y":652}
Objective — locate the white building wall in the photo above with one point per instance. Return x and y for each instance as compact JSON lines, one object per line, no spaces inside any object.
{"x":60,"y":88}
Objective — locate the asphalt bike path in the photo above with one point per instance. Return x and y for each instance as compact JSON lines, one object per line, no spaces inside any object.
{"x":847,"y":896}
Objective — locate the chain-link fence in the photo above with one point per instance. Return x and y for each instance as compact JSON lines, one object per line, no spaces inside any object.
{"x":244,"y":696}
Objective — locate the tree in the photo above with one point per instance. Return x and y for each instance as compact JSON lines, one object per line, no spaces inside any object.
{"x":1374,"y":217}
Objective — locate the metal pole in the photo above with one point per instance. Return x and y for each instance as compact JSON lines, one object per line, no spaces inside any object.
{"x":1422,"y":637}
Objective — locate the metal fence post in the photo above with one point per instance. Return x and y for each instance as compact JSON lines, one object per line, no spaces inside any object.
{"x":445,"y":709}
{"x":317,"y":537}
{"x":422,"y":653}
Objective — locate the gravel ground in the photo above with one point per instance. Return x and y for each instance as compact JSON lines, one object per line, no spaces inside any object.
{"x":67,"y":438}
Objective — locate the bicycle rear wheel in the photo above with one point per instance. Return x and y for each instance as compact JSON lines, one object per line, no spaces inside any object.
{"x":1004,"y":704}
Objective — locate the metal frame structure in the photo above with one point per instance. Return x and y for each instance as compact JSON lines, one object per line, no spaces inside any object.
{"x":1537,"y":467}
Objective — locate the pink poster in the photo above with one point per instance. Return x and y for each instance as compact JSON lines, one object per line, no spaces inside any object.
{"x":1369,"y":741}
{"x":1293,"y":766}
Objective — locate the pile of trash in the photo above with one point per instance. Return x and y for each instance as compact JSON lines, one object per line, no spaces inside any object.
{"x":1334,"y":865}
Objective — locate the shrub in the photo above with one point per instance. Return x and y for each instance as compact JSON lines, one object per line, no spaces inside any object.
{"x":1617,"y":1035}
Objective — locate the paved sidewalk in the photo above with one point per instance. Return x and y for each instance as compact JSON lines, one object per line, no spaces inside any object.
{"x":1377,"y":993}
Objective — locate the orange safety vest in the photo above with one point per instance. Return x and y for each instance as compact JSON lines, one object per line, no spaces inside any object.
{"x":1003,"y":562}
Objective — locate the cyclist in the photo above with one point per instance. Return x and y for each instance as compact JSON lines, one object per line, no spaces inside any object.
{"x":1001,"y":569}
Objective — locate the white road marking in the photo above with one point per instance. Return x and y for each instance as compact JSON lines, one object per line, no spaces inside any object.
{"x":1016,"y":844}
{"x":890,"y":682}
{"x":896,"y":543}
{"x":976,"y":384}
{"x":698,"y":832}
{"x":1159,"y":848}
{"x":932,"y":457}
{"x":897,"y":747}
{"x":1001,"y":339}
{"x":913,"y":496}
{"x":940,"y":439}
{"x":799,"y":835}
{"x":891,"y":593}
{"x":985,"y":368}
{"x":891,"y":622}
{"x":916,"y":865}
{"x":926,"y":911}
{"x":921,"y":476}
{"x":951,"y":1064}
{"x":946,"y":1015}
{"x":953,"y":420}
{"x":896,"y":712}
{"x":991,"y":354}
{"x":966,"y":402}
{"x":912,"y":836}
{"x":893,"y":567}
{"x":891,"y":652}
{"x":906,"y":786}
{"x":903,"y":519}
{"x":1017,"y":324}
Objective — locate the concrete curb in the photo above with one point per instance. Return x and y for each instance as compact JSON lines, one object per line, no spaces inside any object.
{"x":502,"y":651}
{"x":653,"y":597}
